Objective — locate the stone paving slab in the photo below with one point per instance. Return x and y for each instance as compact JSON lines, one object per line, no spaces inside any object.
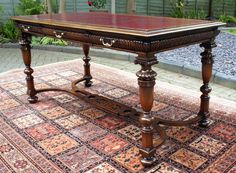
{"x":11,"y":59}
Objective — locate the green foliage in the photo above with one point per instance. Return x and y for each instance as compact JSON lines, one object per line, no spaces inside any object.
{"x":233,"y":31}
{"x":1,"y":12}
{"x":54,"y":6}
{"x":48,"y":41}
{"x":180,"y":12}
{"x":227,"y":19}
{"x":3,"y":39}
{"x":97,"y":3}
{"x":10,"y":31}
{"x":178,"y":8}
{"x":30,"y":7}
{"x":36,"y":40}
{"x":199,"y":14}
{"x":1,"y":22}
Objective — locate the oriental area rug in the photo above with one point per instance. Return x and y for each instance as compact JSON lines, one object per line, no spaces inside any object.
{"x":62,"y":133}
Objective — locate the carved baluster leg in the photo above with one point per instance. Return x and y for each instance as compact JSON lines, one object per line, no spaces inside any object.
{"x":86,"y":59}
{"x":146,"y":81}
{"x":26,"y":54}
{"x":207,"y":63}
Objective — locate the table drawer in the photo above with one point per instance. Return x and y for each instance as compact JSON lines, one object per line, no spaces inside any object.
{"x":30,"y":29}
{"x":67,"y":35}
{"x":80,"y":36}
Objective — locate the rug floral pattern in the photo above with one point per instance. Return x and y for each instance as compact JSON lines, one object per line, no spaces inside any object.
{"x":61,"y":133}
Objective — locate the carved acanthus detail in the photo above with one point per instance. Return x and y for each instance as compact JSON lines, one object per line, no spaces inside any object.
{"x":157,"y":45}
{"x":207,"y":57}
{"x":146,"y":72}
{"x":25,"y":43}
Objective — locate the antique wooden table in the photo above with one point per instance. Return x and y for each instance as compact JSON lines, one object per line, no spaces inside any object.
{"x":142,"y":35}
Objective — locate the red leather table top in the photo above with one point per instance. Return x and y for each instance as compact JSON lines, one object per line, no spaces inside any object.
{"x":122,"y":23}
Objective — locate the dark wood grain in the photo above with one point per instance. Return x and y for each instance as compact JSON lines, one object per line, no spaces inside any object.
{"x":142,"y":35}
{"x":144,"y":25}
{"x":131,"y":22}
{"x":26,"y":54}
{"x":146,"y":81}
{"x":87,"y":75}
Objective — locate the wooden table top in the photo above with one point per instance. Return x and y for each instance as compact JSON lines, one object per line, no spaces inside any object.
{"x":118,"y":23}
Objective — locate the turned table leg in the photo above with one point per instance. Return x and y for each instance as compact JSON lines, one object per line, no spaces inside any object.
{"x":146,"y":81}
{"x":86,"y":59}
{"x":207,"y":63}
{"x":26,"y":54}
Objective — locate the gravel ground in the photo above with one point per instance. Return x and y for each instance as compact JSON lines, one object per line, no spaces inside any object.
{"x":225,"y":55}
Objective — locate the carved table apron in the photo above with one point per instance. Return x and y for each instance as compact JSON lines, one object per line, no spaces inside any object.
{"x":143,"y":35}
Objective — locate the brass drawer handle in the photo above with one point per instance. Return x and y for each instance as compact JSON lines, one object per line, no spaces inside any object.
{"x":25,"y":28}
{"x":107,"y":42}
{"x":58,"y":35}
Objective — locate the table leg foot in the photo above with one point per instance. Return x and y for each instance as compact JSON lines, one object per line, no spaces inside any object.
{"x":207,"y":63}
{"x":147,"y":150}
{"x":88,"y":83}
{"x":148,"y":156}
{"x":146,"y":81}
{"x":204,"y":122}
{"x":26,"y":54}
{"x":33,"y":99}
{"x":86,"y":59}
{"x":148,"y":161}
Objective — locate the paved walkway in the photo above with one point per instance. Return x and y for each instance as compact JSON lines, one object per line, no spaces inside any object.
{"x":11,"y":59}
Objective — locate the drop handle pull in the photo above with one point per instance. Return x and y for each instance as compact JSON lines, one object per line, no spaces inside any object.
{"x":107,"y":41}
{"x":58,"y":34}
{"x":25,"y":28}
